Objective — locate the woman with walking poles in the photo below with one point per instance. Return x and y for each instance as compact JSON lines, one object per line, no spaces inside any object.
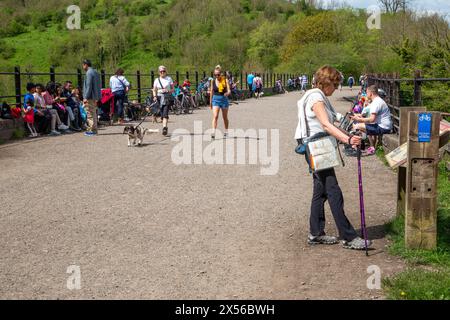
{"x":317,"y":116}
{"x":219,"y":92}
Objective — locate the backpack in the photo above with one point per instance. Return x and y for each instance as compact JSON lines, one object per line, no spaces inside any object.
{"x":258,"y":84}
{"x":5,"y":111}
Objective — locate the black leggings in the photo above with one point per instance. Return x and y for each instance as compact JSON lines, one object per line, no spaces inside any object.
{"x":326,"y":187}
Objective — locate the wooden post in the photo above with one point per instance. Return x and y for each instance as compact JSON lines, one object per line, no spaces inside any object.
{"x":178,"y":77}
{"x":139,"y":89}
{"x":421,"y":185}
{"x":18,"y":85}
{"x":402,"y":170}
{"x":152,"y":76}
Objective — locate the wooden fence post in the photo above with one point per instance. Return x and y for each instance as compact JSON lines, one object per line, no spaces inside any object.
{"x":18,"y":84}
{"x":421,"y":184}
{"x":139,"y":90}
{"x":402,"y":170}
{"x":178,"y":77}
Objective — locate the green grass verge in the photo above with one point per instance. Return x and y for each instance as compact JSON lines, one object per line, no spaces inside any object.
{"x":416,"y":284}
{"x":420,"y":282}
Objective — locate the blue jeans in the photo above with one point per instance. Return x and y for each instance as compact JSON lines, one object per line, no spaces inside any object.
{"x":119,"y":98}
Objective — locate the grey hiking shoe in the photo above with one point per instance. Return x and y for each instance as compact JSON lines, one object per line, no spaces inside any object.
{"x":328,"y":240}
{"x":356,"y":244}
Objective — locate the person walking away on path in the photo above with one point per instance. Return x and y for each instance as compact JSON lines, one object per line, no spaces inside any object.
{"x":28,"y":109}
{"x":220,"y":91}
{"x":316,"y":115}
{"x":120,"y":87}
{"x":378,"y":123}
{"x":92,"y":93}
{"x":163,"y":88}
{"x":304,"y":82}
{"x":341,"y":83}
{"x":351,"y":82}
{"x":250,"y":78}
{"x":257,"y":86}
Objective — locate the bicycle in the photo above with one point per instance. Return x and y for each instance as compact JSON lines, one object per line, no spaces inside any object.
{"x":183,"y":103}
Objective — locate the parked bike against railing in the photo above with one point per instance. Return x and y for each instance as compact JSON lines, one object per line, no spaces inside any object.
{"x":183,"y":103}
{"x":236,"y":94}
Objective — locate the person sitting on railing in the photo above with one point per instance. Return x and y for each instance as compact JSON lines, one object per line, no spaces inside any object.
{"x":378,"y":123}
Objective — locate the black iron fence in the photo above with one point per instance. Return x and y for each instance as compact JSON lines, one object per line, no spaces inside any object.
{"x":141,"y":82}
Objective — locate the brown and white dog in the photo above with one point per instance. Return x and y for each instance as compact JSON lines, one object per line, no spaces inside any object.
{"x":137,"y":134}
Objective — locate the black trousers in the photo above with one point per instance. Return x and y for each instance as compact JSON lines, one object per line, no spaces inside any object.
{"x":326,"y":187}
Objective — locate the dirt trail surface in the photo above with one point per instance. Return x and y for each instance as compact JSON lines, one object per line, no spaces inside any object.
{"x":140,"y":227}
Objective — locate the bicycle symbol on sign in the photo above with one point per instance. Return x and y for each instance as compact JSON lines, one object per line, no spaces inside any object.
{"x":425,"y":117}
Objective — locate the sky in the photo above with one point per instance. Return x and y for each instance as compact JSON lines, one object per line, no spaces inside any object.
{"x":440,"y":6}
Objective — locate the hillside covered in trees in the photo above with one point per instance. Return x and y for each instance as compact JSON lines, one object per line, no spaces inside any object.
{"x":264,"y":35}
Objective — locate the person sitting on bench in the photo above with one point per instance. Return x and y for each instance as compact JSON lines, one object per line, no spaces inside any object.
{"x":378,"y":123}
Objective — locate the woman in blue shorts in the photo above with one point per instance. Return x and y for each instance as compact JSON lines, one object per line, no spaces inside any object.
{"x":219,"y":92}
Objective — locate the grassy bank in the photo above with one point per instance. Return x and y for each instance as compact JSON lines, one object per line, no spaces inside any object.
{"x":428,"y":273}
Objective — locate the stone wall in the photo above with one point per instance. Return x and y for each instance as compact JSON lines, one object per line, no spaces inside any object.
{"x":7,"y":128}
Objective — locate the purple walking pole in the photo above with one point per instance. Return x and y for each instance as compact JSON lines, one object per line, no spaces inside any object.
{"x":361,"y":202}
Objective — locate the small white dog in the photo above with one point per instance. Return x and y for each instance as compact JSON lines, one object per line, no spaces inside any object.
{"x":137,"y":134}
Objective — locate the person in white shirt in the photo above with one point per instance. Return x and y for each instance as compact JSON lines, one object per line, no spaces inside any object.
{"x":378,"y":123}
{"x":119,"y":87}
{"x":162,"y":91}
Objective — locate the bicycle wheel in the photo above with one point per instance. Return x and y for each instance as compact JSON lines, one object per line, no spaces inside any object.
{"x":187,"y":108}
{"x":196,"y":101}
{"x":177,"y":107}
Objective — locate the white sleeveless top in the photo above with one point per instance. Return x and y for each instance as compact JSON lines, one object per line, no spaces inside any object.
{"x":310,"y":98}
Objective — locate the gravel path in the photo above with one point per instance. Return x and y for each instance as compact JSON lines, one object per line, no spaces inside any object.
{"x":140,"y":227}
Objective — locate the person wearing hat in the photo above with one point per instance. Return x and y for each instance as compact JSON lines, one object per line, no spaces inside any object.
{"x":91,"y":95}
{"x":163,"y":88}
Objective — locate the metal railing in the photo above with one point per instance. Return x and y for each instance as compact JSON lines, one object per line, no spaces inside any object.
{"x":406,"y":92}
{"x":141,"y":82}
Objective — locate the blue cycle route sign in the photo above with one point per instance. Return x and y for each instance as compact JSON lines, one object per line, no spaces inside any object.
{"x":424,"y":127}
